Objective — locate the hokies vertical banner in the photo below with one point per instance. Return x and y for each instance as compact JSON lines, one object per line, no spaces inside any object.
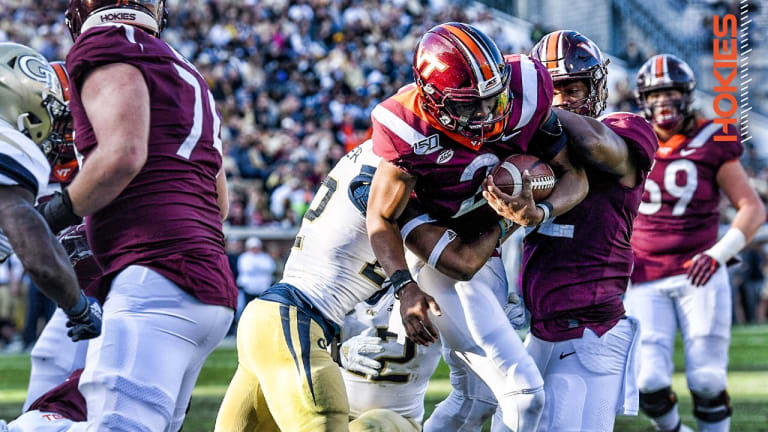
{"x":731,"y":51}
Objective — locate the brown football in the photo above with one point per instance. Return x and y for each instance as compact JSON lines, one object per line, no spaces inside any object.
{"x":508,"y":175}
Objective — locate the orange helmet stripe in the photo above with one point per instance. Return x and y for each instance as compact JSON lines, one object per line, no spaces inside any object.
{"x":476,"y":50}
{"x":660,"y":66}
{"x":552,"y":44}
{"x":61,"y":74}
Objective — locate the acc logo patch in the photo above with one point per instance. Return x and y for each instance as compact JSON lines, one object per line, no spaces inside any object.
{"x":445,"y":156}
{"x":38,"y":70}
{"x":427,"y":146}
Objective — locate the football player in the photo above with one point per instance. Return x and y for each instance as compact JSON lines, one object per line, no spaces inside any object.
{"x":286,"y":378}
{"x":52,"y":358}
{"x":469,"y":108}
{"x":680,"y":279}
{"x":151,"y":186}
{"x":385,"y":373}
{"x":31,"y":107}
{"x":580,"y":338}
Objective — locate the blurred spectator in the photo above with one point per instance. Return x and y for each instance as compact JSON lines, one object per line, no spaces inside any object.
{"x":633,"y":57}
{"x":294,"y":81}
{"x":255,"y":270}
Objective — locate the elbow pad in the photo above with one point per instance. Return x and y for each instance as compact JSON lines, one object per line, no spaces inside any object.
{"x":549,"y":139}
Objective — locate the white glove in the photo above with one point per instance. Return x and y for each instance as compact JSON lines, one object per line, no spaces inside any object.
{"x":515,"y":311}
{"x":356,"y":354}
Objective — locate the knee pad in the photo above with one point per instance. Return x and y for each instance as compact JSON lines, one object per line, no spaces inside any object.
{"x":707,"y":381}
{"x":141,"y":406}
{"x":657,"y":403}
{"x":712,"y":409}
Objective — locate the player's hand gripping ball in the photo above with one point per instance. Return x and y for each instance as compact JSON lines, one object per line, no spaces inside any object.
{"x":508,"y":176}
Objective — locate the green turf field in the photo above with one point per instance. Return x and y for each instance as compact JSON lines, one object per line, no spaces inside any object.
{"x":748,"y":386}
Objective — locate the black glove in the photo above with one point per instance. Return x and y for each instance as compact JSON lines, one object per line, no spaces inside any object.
{"x":84,"y":319}
{"x":58,"y":212}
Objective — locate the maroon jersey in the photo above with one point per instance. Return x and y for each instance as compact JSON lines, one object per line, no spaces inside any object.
{"x":449,"y":167}
{"x":679,"y":215}
{"x":569,"y":291}
{"x":64,"y":399}
{"x":167,"y":218}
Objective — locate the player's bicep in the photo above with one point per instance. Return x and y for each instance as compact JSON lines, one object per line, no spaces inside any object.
{"x":116,"y":99}
{"x":390,"y":190}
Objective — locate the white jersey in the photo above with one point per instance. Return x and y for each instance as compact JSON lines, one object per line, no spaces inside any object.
{"x":22,"y":163}
{"x":406,"y":367}
{"x":332,"y":262}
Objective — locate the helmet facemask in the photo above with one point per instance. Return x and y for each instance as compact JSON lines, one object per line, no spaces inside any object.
{"x":670,"y":113}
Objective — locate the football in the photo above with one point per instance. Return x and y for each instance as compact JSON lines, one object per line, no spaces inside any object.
{"x":508,"y":175}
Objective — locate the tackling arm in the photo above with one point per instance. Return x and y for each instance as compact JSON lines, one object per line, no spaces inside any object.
{"x":39,"y":251}
{"x":116,"y":100}
{"x":446,"y":251}
{"x":390,"y":190}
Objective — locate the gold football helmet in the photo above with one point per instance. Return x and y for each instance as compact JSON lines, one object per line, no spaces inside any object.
{"x":31,"y":97}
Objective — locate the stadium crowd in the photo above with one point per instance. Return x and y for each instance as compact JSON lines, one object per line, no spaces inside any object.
{"x":295,"y":82}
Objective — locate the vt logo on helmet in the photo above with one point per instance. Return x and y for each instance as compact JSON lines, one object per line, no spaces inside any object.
{"x":31,"y":97}
{"x":463,"y":81}
{"x":150,"y":15}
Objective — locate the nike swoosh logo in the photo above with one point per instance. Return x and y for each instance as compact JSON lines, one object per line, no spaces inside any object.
{"x":686,"y":152}
{"x":509,"y":137}
{"x":563,"y":355}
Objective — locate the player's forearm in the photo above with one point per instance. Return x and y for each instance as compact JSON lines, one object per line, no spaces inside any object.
{"x":462,"y":260}
{"x":571,"y":189}
{"x":41,"y":254}
{"x":387,"y":244}
{"x":595,"y":144}
{"x":222,"y":194}
{"x":749,"y":218}
{"x":103,"y":177}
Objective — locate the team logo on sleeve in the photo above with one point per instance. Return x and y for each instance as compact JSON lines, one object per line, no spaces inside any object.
{"x":34,"y":68}
{"x":427,"y":146}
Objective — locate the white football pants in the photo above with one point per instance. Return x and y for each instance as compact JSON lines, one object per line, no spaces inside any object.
{"x":588,"y":380}
{"x":139,"y":374}
{"x":473,"y":325}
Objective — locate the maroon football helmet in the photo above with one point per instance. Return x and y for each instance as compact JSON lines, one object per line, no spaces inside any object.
{"x":463,"y":81}
{"x":568,"y":55}
{"x":150,"y":15}
{"x":60,"y":142}
{"x":665,"y":72}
